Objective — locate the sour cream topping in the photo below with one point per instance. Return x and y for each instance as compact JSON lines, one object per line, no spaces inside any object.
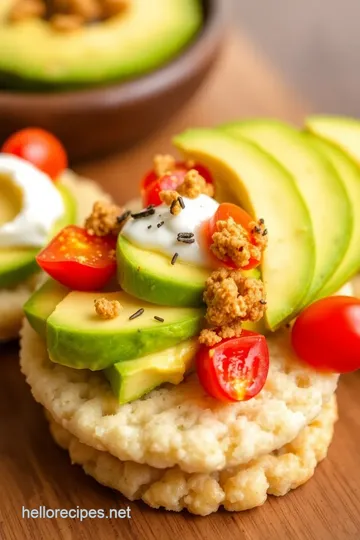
{"x":146,"y":234}
{"x":41,"y":205}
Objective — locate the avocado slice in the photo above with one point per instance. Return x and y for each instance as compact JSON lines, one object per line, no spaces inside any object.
{"x":133,"y":379}
{"x":150,"y":276}
{"x":42,"y":303}
{"x":17,"y":264}
{"x":349,"y":172}
{"x":141,"y":39}
{"x":77,"y":337}
{"x":341,"y":131}
{"x":251,"y":178}
{"x":318,"y":183}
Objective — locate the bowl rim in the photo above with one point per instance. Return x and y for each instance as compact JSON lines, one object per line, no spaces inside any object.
{"x":140,"y":88}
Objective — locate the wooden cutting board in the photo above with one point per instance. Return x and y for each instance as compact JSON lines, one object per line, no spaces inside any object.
{"x":34,"y":472}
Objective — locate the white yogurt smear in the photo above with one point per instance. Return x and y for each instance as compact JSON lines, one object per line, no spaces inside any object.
{"x":164,"y":239}
{"x":42,"y":204}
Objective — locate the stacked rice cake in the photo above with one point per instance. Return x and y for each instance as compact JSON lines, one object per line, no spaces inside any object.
{"x":178,"y":448}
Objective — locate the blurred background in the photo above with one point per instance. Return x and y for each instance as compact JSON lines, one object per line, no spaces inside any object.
{"x":314,"y":43}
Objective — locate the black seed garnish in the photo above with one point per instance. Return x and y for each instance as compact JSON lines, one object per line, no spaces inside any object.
{"x":185,"y":240}
{"x":261,"y":221}
{"x":160,"y":224}
{"x":181,"y":202}
{"x":144,"y":213}
{"x":263,"y":302}
{"x":149,"y":226}
{"x":174,"y":259}
{"x":160,"y":319}
{"x":123,"y":216}
{"x":257,"y":229}
{"x":265,"y":232}
{"x":186,"y":235}
{"x":137,"y":314}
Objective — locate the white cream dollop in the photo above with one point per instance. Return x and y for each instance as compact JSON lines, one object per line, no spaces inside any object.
{"x":42,"y":204}
{"x":146,"y":234}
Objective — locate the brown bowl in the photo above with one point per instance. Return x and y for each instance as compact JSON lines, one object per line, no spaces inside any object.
{"x":96,"y":121}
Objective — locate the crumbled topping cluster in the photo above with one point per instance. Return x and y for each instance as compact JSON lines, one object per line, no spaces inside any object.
{"x":107,"y":309}
{"x":232,"y":241}
{"x":67,"y":15}
{"x":231,"y":298}
{"x":104,"y":219}
{"x":164,"y":164}
{"x":192,"y":186}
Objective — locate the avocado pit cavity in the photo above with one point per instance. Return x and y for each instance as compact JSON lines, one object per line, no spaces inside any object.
{"x":67,"y":15}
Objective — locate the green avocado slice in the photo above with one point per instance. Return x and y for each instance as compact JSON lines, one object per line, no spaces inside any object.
{"x":246,"y":175}
{"x":133,"y":379}
{"x":318,"y":183}
{"x":42,"y":303}
{"x":150,"y":276}
{"x":77,"y":337}
{"x":141,"y":39}
{"x":17,"y":264}
{"x":349,"y":172}
{"x":341,"y":131}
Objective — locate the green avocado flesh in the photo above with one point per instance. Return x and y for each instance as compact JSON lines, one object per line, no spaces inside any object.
{"x":151,"y":276}
{"x":143,"y":38}
{"x":249,"y":177}
{"x":77,"y":337}
{"x":349,"y":172}
{"x":42,"y":303}
{"x":319,"y":185}
{"x":17,"y":264}
{"x":341,"y":131}
{"x":133,"y":379}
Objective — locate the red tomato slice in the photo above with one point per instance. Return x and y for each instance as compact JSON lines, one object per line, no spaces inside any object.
{"x":79,"y":261}
{"x":326,"y":335}
{"x":151,"y":185}
{"x":40,"y":148}
{"x":223,"y":213}
{"x":235,"y":369}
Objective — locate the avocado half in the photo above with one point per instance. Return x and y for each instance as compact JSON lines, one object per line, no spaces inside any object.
{"x":146,"y":36}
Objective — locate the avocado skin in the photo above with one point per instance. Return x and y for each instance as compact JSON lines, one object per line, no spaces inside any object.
{"x":23,"y":263}
{"x":167,"y":288}
{"x":96,"y":351}
{"x":42,"y":303}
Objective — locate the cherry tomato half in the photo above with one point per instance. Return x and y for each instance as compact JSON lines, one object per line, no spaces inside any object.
{"x":151,"y":185}
{"x":326,"y":335}
{"x":40,"y":148}
{"x":223,"y":213}
{"x":79,"y":261}
{"x":235,"y":369}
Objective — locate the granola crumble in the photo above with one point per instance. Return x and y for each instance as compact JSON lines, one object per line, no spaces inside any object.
{"x":107,"y":309}
{"x":171,"y":198}
{"x":231,"y":297}
{"x":194,"y":185}
{"x":232,"y":241}
{"x":212,"y":336}
{"x":103,"y":219}
{"x":164,"y":164}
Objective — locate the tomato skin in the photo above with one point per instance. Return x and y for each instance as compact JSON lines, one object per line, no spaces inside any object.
{"x":236,"y":369}
{"x":326,"y":335}
{"x":151,"y":184}
{"x":223,"y":213}
{"x":40,"y":148}
{"x":78,"y":260}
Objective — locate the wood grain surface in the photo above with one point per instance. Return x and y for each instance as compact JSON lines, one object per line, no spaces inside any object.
{"x":34,"y":472}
